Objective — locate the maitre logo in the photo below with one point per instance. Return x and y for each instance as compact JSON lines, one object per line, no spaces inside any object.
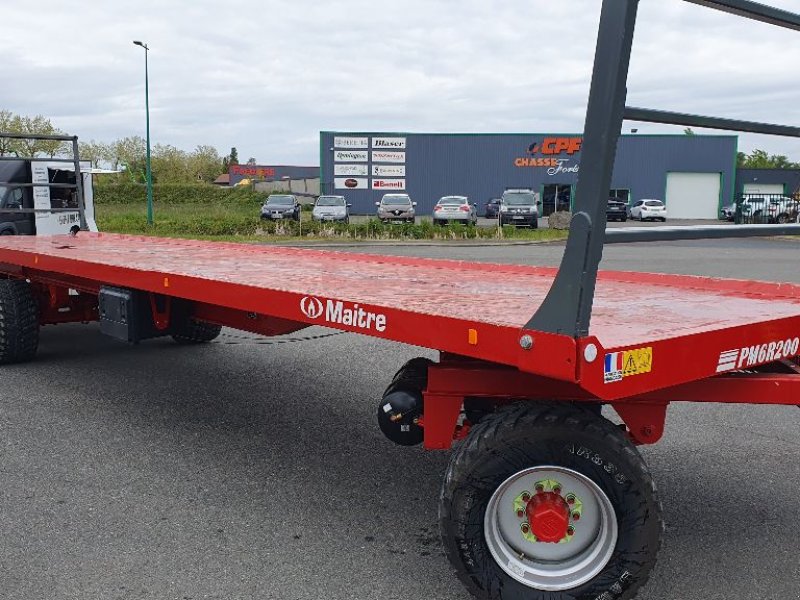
{"x":311,"y":307}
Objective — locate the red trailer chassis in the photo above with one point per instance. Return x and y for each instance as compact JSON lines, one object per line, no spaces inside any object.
{"x":703,"y":334}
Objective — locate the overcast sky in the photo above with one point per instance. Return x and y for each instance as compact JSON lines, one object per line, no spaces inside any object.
{"x":267,"y":76}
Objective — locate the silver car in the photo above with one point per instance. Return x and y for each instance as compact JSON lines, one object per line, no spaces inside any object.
{"x":331,"y":208}
{"x":454,"y":209}
{"x":396,"y":208}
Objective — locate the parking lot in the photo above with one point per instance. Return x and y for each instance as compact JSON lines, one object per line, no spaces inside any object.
{"x":484,"y":222}
{"x":253,"y":468}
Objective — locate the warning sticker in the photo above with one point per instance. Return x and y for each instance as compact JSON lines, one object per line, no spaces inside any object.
{"x":619,"y":365}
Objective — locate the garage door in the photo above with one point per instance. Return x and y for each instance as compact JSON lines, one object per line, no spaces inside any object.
{"x":693,"y":195}
{"x":763,"y":188}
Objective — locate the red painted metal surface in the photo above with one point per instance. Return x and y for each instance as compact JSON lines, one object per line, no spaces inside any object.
{"x":453,"y":380}
{"x":686,"y":325}
{"x":57,"y":305}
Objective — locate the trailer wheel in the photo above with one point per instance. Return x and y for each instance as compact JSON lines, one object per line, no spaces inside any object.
{"x":196,"y":332}
{"x":549,"y":501}
{"x":19,"y":322}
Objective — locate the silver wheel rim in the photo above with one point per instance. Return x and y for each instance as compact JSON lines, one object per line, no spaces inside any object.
{"x":565,"y":565}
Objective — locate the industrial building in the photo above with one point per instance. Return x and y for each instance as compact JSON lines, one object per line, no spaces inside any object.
{"x":768,"y":182}
{"x":269,"y":173}
{"x":694,"y":174}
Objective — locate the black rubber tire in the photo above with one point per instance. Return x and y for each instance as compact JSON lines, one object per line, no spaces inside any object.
{"x":532,"y":434}
{"x":535,"y":224}
{"x":7,"y":232}
{"x":196,"y":332}
{"x":19,"y":322}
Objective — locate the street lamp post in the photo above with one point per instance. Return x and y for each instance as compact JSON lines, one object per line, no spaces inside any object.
{"x":147,"y":117}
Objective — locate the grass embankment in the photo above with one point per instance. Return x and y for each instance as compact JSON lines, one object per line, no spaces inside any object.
{"x":240,"y":222}
{"x":204,"y":211}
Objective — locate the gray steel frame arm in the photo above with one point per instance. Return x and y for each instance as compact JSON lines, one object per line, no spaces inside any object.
{"x":567,"y":308}
{"x":674,"y":118}
{"x":626,"y":235}
{"x":754,"y":11}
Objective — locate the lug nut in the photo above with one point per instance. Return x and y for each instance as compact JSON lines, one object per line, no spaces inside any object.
{"x":525,"y":528}
{"x":570,"y":500}
{"x":520,"y":513}
{"x":557,"y":489}
{"x":570,"y":530}
{"x":576,"y":516}
{"x":539,"y":488}
{"x":526,"y":496}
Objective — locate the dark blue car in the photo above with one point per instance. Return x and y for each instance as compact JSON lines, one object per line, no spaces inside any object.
{"x":492,"y":208}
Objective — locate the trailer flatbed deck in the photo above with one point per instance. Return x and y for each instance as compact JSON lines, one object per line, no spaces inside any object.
{"x":476,"y":310}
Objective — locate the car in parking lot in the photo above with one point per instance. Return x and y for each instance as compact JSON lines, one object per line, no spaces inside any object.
{"x":396,"y":208}
{"x":281,"y":206}
{"x":728,"y":212}
{"x":782,"y":209}
{"x":649,"y":208}
{"x":763,"y":209}
{"x":520,"y":207}
{"x":616,"y":210}
{"x":457,"y":209}
{"x":331,"y":208}
{"x":492,"y":208}
{"x":767,"y":209}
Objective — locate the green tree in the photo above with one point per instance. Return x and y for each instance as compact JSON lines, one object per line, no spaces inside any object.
{"x":39,"y":125}
{"x":95,"y":152}
{"x":233,"y":157}
{"x":129,"y":152}
{"x":251,"y":161}
{"x":9,"y":123}
{"x":170,"y":164}
{"x":761,"y":159}
{"x":205,"y":164}
{"x":688,"y":131}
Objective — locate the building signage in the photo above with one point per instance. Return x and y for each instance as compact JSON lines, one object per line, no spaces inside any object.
{"x":350,"y":183}
{"x":563,"y":165}
{"x":250,"y":171}
{"x":350,"y":170}
{"x":557,"y":145}
{"x":389,"y":142}
{"x":388,"y":156}
{"x":554,"y":153}
{"x":351,"y":156}
{"x":389,"y":170}
{"x":350,"y":142}
{"x":388,"y":184}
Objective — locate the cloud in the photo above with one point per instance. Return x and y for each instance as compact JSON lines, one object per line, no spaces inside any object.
{"x":267,"y":77}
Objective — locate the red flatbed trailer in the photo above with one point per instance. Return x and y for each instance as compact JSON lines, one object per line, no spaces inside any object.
{"x":544,"y":498}
{"x":689,"y":324}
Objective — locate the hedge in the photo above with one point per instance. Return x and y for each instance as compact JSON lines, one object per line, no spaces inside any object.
{"x":175,"y":193}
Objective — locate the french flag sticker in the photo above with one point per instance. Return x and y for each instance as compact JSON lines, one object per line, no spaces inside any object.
{"x":613,"y":367}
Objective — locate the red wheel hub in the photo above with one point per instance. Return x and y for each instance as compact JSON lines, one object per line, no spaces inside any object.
{"x":548,"y":516}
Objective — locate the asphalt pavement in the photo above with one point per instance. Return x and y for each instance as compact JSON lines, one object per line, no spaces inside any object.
{"x":253,"y":468}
